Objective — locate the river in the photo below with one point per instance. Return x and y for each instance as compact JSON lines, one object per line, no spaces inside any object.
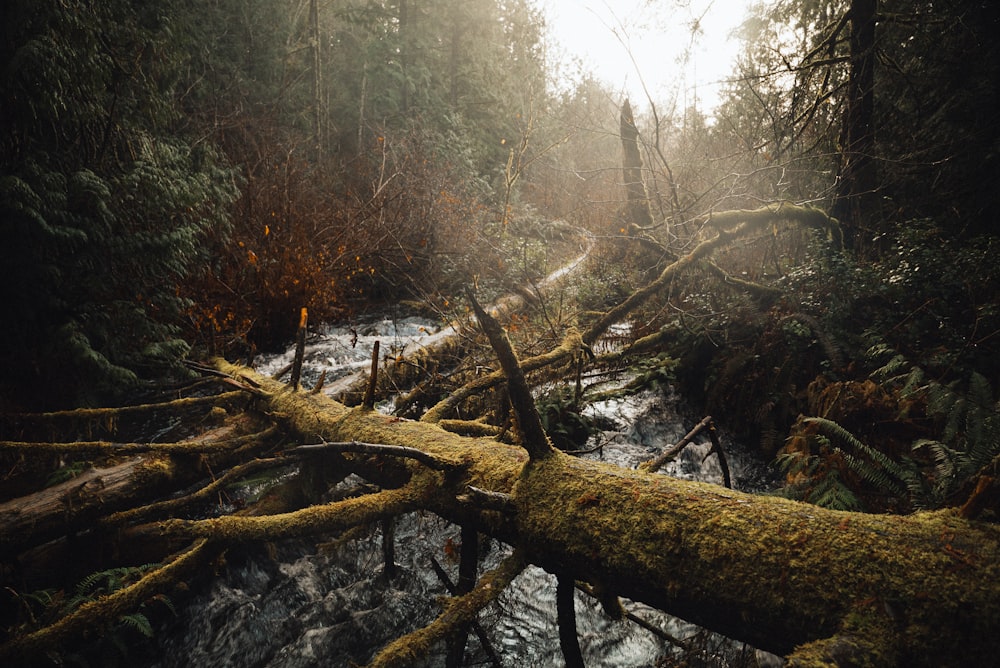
{"x":299,"y":604}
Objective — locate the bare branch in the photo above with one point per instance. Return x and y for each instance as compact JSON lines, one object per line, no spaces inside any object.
{"x":430,"y":461}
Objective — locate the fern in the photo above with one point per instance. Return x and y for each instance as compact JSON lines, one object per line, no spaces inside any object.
{"x":137,"y":622}
{"x":969,"y":424}
{"x":104,"y":582}
{"x":831,"y":492}
{"x":914,"y":383}
{"x":895,"y":368}
{"x":900,"y":480}
{"x":822,"y":486}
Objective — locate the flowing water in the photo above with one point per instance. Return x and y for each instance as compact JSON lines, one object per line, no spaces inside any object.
{"x":302,"y":604}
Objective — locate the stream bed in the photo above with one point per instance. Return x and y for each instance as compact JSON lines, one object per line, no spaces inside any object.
{"x":299,"y":603}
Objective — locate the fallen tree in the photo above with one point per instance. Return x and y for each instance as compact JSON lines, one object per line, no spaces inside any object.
{"x":818,"y":586}
{"x":798,"y":580}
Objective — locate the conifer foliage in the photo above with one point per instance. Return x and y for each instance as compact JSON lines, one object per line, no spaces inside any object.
{"x":103,"y":202}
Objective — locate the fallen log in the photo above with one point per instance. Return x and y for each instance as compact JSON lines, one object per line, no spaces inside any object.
{"x":820,"y":586}
{"x":77,"y":504}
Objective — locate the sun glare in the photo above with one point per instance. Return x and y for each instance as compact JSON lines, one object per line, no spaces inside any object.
{"x":680,"y":52}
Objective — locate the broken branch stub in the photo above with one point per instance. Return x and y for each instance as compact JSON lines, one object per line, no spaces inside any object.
{"x":533,"y":437}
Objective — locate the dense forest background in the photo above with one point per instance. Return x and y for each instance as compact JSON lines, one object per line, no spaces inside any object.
{"x":178,"y":179}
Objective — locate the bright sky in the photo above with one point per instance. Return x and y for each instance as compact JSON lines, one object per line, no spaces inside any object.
{"x":676,"y":63}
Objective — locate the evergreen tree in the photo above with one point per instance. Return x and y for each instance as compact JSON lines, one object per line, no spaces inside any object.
{"x":103,"y":202}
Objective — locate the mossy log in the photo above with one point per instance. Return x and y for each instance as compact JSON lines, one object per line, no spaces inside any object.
{"x":420,"y":359}
{"x":820,"y":586}
{"x":123,"y":484}
{"x":732,"y":225}
{"x":78,"y":503}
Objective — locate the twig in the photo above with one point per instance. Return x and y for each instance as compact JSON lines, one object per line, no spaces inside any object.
{"x":319,"y":383}
{"x":717,"y":449}
{"x":654,"y":464}
{"x":300,"y":350}
{"x":99,"y":447}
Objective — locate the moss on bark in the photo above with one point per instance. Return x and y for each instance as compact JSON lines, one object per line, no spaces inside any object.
{"x":773,"y":572}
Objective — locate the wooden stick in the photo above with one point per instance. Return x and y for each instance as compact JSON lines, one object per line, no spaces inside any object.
{"x":369,"y":401}
{"x":717,"y":449}
{"x":300,"y":350}
{"x":654,"y":464}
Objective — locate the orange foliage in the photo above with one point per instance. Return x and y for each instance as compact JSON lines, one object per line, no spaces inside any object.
{"x":326,"y":237}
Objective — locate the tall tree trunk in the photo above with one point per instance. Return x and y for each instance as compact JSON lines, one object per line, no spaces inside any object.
{"x":857,"y":199}
{"x":636,"y":199}
{"x":317,"y":79}
{"x":404,"y":55}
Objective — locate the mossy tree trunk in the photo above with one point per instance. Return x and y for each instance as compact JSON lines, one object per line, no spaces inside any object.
{"x":784,"y":576}
{"x":781,"y":575}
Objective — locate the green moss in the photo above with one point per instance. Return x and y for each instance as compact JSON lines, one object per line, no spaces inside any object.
{"x":771,"y":571}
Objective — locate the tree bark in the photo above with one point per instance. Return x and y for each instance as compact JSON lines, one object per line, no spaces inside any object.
{"x":78,"y":504}
{"x":784,"y":576}
{"x":856,"y":180}
{"x":636,"y":198}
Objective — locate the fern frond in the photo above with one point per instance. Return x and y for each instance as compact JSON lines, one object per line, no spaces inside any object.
{"x":980,"y":392}
{"x":834,"y":431}
{"x":830,"y":492}
{"x":921,"y":495}
{"x":137,"y":622}
{"x":874,"y":475}
{"x":88,"y":584}
{"x":876,"y":468}
{"x":914,"y":383}
{"x":985,"y":447}
{"x":891,"y":370}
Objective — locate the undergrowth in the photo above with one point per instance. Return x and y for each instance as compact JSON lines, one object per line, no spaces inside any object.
{"x":934,"y":473}
{"x":42,"y":608}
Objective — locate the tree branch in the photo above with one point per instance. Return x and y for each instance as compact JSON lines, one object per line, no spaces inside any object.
{"x":324,"y":518}
{"x":432,"y":462}
{"x":458,"y":612}
{"x":533,"y":437}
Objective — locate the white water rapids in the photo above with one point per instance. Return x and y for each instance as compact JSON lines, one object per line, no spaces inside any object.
{"x":301,"y":604}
